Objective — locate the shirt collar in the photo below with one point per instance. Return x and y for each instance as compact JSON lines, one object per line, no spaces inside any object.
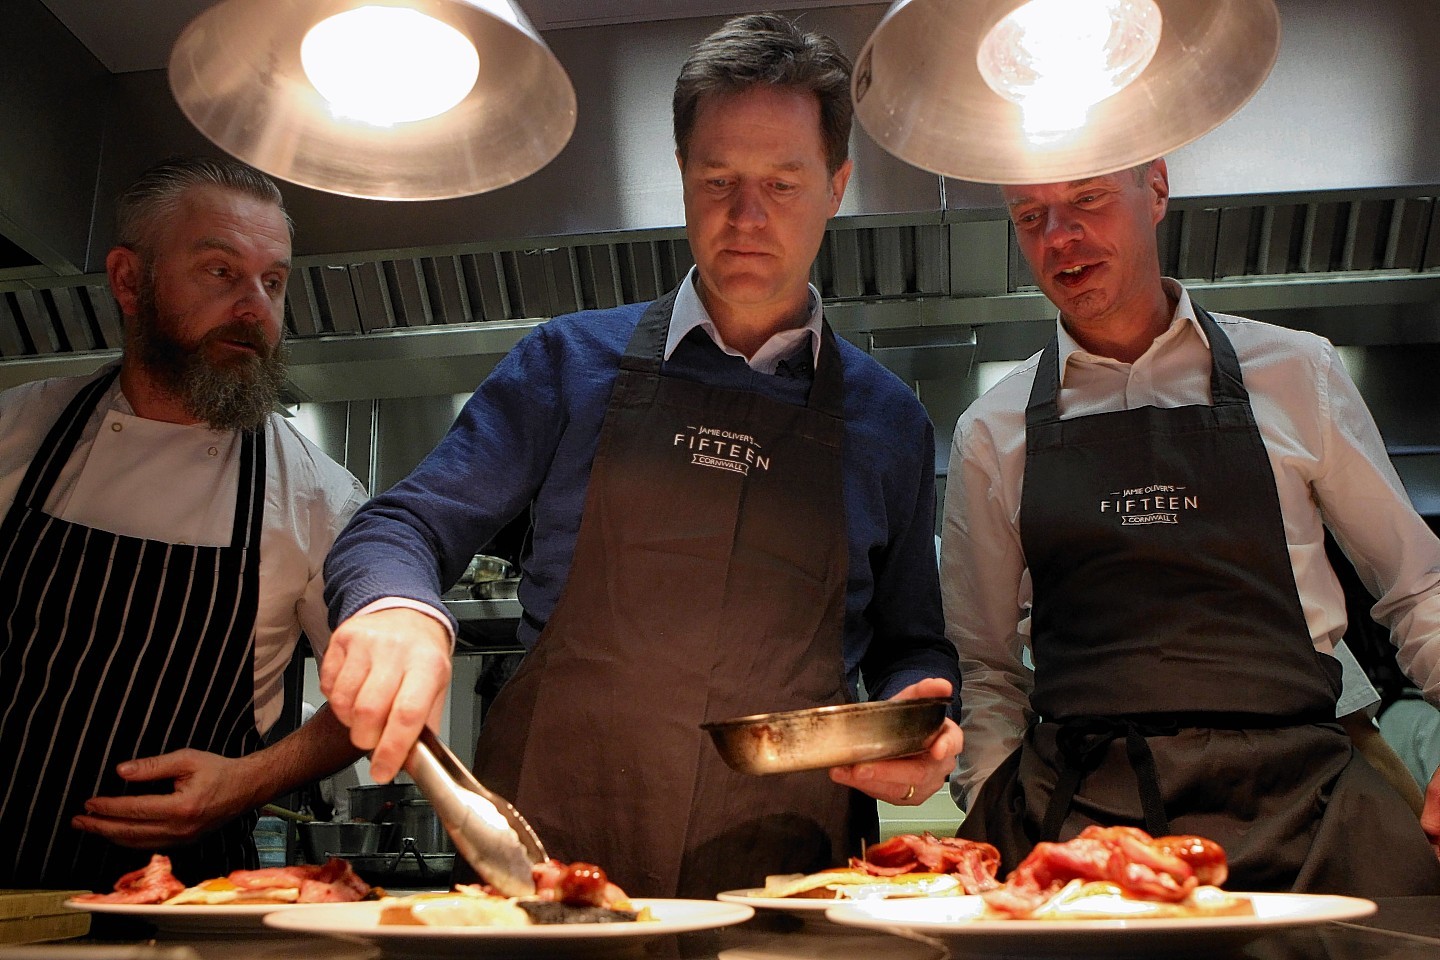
{"x":689,"y":312}
{"x":1183,"y":317}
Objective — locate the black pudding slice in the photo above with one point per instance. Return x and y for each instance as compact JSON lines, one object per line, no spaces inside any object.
{"x":551,"y":911}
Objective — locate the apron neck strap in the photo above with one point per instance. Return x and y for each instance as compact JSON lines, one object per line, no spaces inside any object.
{"x":55,"y":449}
{"x":1044,"y":403}
{"x":827,"y":391}
{"x":646,"y":350}
{"x":1227,"y":386}
{"x":250,"y":489}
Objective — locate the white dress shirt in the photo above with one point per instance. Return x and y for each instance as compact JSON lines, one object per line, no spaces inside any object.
{"x":689,"y":312}
{"x":1330,"y":466}
{"x":176,"y":483}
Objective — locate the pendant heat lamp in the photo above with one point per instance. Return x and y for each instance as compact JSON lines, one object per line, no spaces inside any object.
{"x":383,"y":99}
{"x":1013,"y":92}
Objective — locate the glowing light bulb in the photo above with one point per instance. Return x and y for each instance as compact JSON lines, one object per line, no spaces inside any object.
{"x":388,"y":65}
{"x":1058,"y":58}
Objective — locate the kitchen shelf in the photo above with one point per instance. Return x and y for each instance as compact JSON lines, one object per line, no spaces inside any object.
{"x":486,"y":626}
{"x":484,"y":609}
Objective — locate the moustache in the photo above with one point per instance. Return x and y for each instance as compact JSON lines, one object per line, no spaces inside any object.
{"x":251,"y":335}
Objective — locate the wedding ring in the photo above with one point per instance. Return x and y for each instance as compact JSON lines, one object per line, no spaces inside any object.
{"x":908,"y":793}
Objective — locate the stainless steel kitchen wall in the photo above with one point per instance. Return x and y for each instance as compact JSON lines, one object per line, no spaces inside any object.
{"x":380,"y":441}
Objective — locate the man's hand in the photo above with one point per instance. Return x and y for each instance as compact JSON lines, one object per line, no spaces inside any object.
{"x":385,"y":675}
{"x":910,"y":781}
{"x":1430,"y":816}
{"x":209,"y":790}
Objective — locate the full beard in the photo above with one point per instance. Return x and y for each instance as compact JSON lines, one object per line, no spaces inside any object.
{"x":236,"y":394}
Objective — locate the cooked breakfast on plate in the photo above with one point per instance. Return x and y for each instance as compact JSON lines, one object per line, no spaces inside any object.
{"x":1109,"y":873}
{"x":564,"y":893}
{"x":331,"y":882}
{"x":907,"y":865}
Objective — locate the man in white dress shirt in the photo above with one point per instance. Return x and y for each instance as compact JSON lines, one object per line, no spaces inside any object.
{"x":1139,"y":512}
{"x":163,"y":538}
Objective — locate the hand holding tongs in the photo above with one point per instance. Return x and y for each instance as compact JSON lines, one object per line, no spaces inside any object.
{"x":488,"y":832}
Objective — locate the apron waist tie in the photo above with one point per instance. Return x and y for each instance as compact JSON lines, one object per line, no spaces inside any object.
{"x":1082,"y":742}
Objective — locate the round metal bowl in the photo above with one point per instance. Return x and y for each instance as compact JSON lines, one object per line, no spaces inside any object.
{"x":824,"y":737}
{"x":483,"y":568}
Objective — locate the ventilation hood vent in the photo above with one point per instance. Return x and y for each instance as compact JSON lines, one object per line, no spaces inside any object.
{"x":436,"y":324}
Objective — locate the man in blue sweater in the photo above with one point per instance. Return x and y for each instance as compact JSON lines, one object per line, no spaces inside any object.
{"x":733,"y":513}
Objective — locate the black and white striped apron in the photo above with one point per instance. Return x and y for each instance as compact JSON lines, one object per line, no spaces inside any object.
{"x":112,"y":648}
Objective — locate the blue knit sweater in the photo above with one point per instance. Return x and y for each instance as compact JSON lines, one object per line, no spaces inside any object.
{"x":529,"y":435}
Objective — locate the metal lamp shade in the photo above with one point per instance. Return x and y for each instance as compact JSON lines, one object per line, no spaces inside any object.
{"x":236,"y":73}
{"x":919,"y":92}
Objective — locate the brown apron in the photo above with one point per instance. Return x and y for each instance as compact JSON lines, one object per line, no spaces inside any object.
{"x":708,"y":582}
{"x":1176,"y":683}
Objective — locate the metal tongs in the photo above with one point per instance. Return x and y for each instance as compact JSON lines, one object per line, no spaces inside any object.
{"x":488,"y":831}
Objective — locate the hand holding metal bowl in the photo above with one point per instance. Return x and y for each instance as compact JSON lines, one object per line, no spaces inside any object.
{"x":822,"y":737}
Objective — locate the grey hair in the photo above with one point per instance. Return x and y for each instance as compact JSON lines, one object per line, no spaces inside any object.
{"x":153,"y":199}
{"x":765,"y":49}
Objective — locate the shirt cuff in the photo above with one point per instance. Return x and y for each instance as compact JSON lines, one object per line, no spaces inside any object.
{"x":405,"y":603}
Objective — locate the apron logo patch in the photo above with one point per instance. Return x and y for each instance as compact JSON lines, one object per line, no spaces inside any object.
{"x":722,"y":450}
{"x":1156,"y":503}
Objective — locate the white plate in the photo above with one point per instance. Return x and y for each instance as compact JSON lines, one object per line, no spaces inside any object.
{"x":954,"y":920}
{"x":755,"y":897}
{"x":363,"y":920}
{"x":810,"y":907}
{"x":194,"y":918}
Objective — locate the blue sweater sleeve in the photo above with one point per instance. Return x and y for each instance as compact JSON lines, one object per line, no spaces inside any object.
{"x":416,"y":538}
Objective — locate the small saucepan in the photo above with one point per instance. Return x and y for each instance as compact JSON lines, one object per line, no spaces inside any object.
{"x":407,"y":867}
{"x":321,"y":840}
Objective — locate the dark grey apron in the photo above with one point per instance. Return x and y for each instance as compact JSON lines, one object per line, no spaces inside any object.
{"x":708,"y":582}
{"x":113,"y":648}
{"x":1176,"y":683}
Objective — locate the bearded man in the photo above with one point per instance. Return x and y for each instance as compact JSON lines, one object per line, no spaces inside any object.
{"x":163,"y":540}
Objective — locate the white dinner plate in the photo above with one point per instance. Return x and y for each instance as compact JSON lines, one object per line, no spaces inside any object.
{"x":755,"y":897}
{"x":954,"y":919}
{"x":808,"y":907}
{"x":432,"y":943}
{"x":193,"y":919}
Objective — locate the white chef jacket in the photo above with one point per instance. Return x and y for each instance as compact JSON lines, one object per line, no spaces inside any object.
{"x":1331,"y":469}
{"x":176,"y":483}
